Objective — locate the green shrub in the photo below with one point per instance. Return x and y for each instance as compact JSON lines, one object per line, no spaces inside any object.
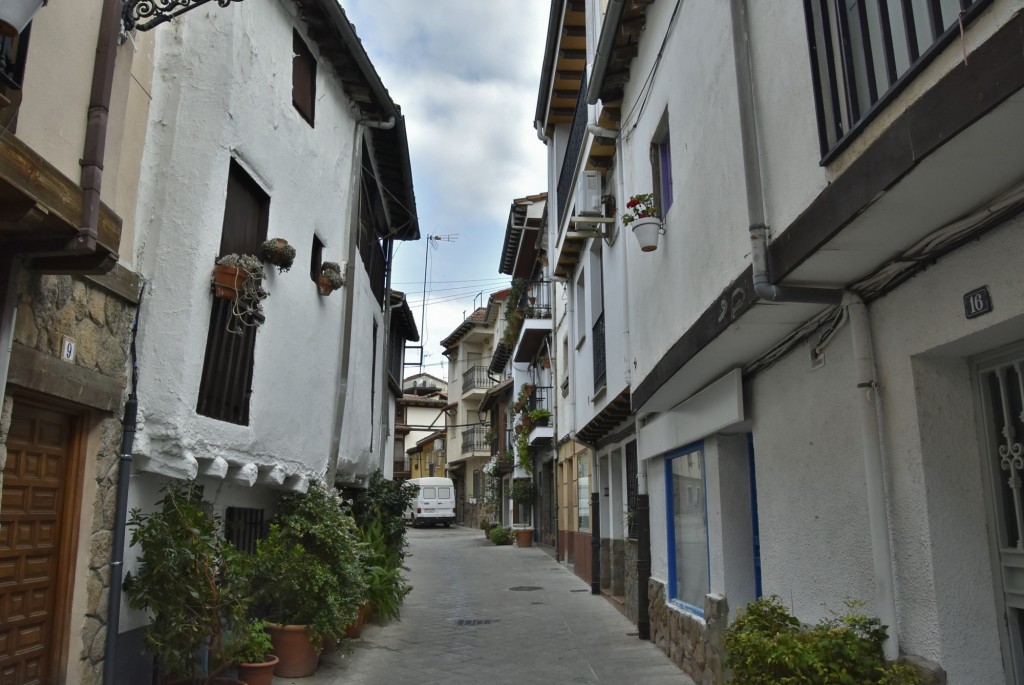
{"x":310,"y":569}
{"x":251,"y":643}
{"x":766,"y":645}
{"x":500,"y":535}
{"x":383,"y":501}
{"x":386,"y":587}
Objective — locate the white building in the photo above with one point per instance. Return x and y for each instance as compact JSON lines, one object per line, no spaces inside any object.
{"x":269,"y":121}
{"x":822,"y":352}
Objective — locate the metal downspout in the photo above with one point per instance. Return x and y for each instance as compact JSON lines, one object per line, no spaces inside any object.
{"x":859,"y":325}
{"x":643,"y":550}
{"x":124,"y":471}
{"x":96,"y":127}
{"x":603,"y":55}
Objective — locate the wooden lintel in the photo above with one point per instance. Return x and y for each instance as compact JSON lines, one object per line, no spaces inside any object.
{"x":46,"y":373}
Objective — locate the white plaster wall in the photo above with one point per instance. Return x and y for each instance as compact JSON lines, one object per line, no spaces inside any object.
{"x":706,"y":241}
{"x":813,"y":518}
{"x":222,"y":89}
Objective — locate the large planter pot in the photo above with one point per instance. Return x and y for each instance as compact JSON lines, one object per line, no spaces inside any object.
{"x":524,"y":537}
{"x":355,"y":629}
{"x":215,"y":681}
{"x":297,"y":656}
{"x":258,"y":674}
{"x":228,"y":281}
{"x":647,"y":231}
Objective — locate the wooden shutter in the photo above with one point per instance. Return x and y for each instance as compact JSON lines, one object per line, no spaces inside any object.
{"x":303,"y":79}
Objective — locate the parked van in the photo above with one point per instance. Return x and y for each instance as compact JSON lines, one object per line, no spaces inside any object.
{"x":434,"y":503}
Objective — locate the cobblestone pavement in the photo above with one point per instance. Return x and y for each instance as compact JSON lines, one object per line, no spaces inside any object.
{"x":479,"y":613}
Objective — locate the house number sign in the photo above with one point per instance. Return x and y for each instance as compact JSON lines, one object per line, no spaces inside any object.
{"x":977,"y":302}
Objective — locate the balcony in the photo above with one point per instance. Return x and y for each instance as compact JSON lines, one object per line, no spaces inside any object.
{"x":476,"y":382}
{"x":475,"y":443}
{"x":536,"y":324}
{"x":543,"y":430}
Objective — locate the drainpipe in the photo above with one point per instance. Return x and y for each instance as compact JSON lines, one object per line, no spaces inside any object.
{"x":603,"y":55}
{"x":124,"y":471}
{"x":96,"y":128}
{"x":860,"y":328}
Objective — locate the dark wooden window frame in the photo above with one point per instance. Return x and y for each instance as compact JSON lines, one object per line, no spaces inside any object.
{"x":303,"y":79}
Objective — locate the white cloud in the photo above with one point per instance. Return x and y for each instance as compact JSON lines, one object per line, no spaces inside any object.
{"x":466,"y":74}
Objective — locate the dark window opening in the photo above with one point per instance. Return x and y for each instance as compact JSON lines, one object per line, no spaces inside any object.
{"x":225,"y":387}
{"x":303,"y":78}
{"x":243,"y":527}
{"x":661,"y":168}
{"x":316,"y":258}
{"x":13,"y":50}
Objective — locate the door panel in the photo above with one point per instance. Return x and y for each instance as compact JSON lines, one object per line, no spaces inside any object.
{"x":31,"y":523}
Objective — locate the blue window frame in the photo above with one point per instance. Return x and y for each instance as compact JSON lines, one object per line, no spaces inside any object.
{"x":689,"y":562}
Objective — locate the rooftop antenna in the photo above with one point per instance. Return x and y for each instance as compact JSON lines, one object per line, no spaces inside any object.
{"x":432,"y":241}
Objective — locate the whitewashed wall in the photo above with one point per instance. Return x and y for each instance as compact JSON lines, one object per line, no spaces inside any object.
{"x":222,"y":90}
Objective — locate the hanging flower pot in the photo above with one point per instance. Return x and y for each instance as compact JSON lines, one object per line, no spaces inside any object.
{"x":278,"y":252}
{"x":647,"y":231}
{"x":330,"y":278}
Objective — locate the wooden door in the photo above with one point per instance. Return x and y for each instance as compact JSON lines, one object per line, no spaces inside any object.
{"x":33,"y":530}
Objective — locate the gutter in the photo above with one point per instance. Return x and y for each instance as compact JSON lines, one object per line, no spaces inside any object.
{"x":860,"y":327}
{"x":96,"y":128}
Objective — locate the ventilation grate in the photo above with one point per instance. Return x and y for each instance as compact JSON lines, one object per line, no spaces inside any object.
{"x":525,"y":588}
{"x":475,"y":621}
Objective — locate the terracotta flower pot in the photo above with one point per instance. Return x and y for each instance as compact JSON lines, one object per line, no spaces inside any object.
{"x":258,"y":674}
{"x":297,"y":656}
{"x":228,"y":281}
{"x":323,"y":285}
{"x":524,"y":537}
{"x":355,"y":629}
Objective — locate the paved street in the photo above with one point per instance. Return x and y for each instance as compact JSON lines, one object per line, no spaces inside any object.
{"x":485,"y":614}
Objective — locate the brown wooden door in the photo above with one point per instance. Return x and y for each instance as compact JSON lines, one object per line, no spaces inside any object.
{"x":31,"y":521}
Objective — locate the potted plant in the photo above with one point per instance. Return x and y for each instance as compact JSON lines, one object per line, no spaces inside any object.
{"x":540,"y":416}
{"x":253,"y":649}
{"x":330,"y":278}
{"x":192,"y":582}
{"x":500,"y":535}
{"x":643,"y":217}
{"x":309,"y":571}
{"x":485,"y":526}
{"x":278,"y":252}
{"x":239,"y":278}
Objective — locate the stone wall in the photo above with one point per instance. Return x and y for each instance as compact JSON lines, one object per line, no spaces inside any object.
{"x":630,"y":589}
{"x":99,"y":319}
{"x":694,"y":644}
{"x":606,"y":564}
{"x":618,"y":570}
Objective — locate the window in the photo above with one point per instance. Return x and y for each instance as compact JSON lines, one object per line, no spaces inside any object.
{"x":863,"y":52}
{"x":444,"y":492}
{"x":13,"y":50}
{"x":428,"y":493}
{"x":316,"y":258}
{"x":581,"y":309}
{"x":226,"y":383}
{"x":477,"y":491}
{"x":303,"y":78}
{"x":243,"y":527}
{"x":583,"y":490}
{"x":687,"y":528}
{"x":661,"y":167}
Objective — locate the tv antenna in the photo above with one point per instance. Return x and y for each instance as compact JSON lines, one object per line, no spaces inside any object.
{"x":432,"y":244}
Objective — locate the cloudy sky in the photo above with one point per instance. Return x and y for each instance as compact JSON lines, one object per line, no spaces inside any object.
{"x":466,"y":74}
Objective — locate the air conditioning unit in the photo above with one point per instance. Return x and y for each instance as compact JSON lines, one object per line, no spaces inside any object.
{"x":588,"y":194}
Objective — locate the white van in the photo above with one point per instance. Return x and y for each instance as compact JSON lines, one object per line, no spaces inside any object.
{"x":434,"y":503}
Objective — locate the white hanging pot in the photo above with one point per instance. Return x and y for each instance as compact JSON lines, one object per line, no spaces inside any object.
{"x":16,"y":14}
{"x":647,"y":231}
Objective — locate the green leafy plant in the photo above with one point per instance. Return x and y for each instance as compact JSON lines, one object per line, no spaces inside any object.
{"x":383,"y":501}
{"x":500,"y":535}
{"x":766,"y":645}
{"x":522,"y":491}
{"x":386,"y":587}
{"x":251,"y":643}
{"x":540,"y":414}
{"x":640,"y":206}
{"x":330,"y":278}
{"x":193,"y":582}
{"x":310,"y":567}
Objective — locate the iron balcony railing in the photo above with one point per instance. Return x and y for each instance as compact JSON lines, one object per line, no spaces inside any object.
{"x":540,"y":398}
{"x":573,"y":147}
{"x":863,"y":53}
{"x":599,"y":362}
{"x":475,"y":440}
{"x":538,"y":305}
{"x":476,"y":378}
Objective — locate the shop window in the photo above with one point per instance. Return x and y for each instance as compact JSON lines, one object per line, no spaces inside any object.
{"x":687,"y":528}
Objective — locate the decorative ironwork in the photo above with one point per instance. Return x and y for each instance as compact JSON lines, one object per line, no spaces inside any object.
{"x":1011,"y":454}
{"x":573,"y":148}
{"x":143,"y":15}
{"x":599,"y":361}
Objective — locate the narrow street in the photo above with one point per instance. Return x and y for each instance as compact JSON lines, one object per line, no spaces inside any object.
{"x":479,"y":613}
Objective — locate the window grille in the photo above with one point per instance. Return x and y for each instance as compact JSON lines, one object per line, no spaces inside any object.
{"x":243,"y":527}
